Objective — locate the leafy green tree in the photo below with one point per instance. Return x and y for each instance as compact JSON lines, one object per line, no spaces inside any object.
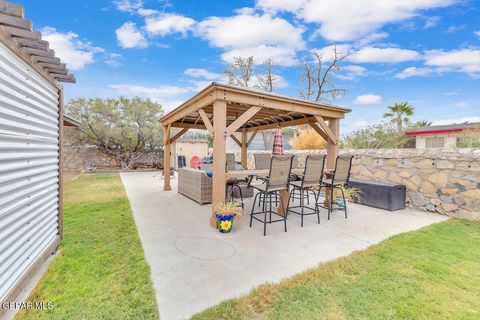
{"x":399,"y":114}
{"x":379,"y":136}
{"x":122,"y":127}
{"x":421,"y":123}
{"x":382,"y":136}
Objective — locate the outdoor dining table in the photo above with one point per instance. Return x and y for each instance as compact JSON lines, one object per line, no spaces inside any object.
{"x":284,"y":194}
{"x":244,"y":174}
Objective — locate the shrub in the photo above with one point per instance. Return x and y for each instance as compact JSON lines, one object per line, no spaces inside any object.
{"x":307,"y":139}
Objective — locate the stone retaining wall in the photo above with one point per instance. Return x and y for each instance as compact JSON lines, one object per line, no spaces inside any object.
{"x":443,"y":181}
{"x":90,"y":159}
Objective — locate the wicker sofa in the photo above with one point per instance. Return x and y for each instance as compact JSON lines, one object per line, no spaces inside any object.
{"x":196,"y":185}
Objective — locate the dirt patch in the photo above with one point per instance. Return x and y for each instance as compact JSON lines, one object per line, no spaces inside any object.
{"x":70,"y":175}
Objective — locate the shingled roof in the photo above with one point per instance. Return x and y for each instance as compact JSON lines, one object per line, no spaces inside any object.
{"x":17,"y":33}
{"x":442,"y":129}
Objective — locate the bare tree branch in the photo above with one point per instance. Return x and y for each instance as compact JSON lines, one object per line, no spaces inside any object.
{"x":267,"y":78}
{"x":240,"y":71}
{"x":318,"y":76}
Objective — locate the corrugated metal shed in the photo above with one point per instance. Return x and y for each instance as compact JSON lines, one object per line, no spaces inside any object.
{"x":30,"y":134}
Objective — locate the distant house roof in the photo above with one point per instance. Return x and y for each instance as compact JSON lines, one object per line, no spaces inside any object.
{"x":193,"y":140}
{"x":70,"y":122}
{"x":442,"y":129}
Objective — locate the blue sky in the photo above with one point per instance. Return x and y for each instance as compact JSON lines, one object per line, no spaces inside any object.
{"x":426,"y":52}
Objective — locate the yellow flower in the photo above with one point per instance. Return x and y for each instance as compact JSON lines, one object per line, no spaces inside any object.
{"x":225,"y":225}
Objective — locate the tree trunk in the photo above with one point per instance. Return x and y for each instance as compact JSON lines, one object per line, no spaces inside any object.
{"x":132,"y":161}
{"x":399,"y":123}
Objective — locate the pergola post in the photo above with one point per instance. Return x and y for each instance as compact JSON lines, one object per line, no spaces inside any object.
{"x":243,"y":154}
{"x":166,"y":158}
{"x":332,"y":145}
{"x":332,"y":153}
{"x":219,"y":151}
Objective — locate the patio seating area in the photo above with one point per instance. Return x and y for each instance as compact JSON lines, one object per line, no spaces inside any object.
{"x":194,"y":268}
{"x":240,"y":113}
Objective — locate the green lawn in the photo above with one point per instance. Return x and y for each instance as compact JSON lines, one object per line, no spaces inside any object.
{"x":433,"y":273}
{"x":100,"y":271}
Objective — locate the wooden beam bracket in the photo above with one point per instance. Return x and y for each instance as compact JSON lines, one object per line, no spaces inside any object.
{"x":327,"y":129}
{"x":178,"y":135}
{"x":236,"y":140}
{"x":247,"y":115}
{"x":206,"y":121}
{"x":254,"y":133}
{"x":319,"y":130}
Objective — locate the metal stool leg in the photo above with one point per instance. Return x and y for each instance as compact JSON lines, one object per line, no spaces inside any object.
{"x":344,"y":202}
{"x":285,"y":212}
{"x":302,"y":205}
{"x":253,"y":207}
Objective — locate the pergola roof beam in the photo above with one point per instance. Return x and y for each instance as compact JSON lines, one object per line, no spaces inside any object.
{"x":11,"y":9}
{"x":14,"y":21}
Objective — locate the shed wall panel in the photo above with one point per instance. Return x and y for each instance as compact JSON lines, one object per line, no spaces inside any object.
{"x":29,"y":166}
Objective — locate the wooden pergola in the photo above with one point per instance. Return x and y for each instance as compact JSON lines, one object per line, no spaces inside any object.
{"x":226,"y":111}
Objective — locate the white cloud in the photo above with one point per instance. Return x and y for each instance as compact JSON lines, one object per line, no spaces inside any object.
{"x":129,"y":36}
{"x":283,"y":56}
{"x":246,"y":33}
{"x":346,"y":20}
{"x":352,"y":72}
{"x":432,"y":22}
{"x":455,"y":120}
{"x":202,"y":73}
{"x":368,"y":99}
{"x":168,"y":96}
{"x":453,"y":29}
{"x":361,"y":124}
{"x":414,"y":71}
{"x":201,"y":78}
{"x":134,"y":7}
{"x":279,"y":82}
{"x":371,"y":38}
{"x":384,"y":55}
{"x":464,"y":60}
{"x":168,"y":23}
{"x":450,"y":93}
{"x":152,"y":92}
{"x":477,"y":32}
{"x":370,"y":54}
{"x":128,"y":5}
{"x":113,"y":59}
{"x":281,"y":5}
{"x":146,"y":12}
{"x":246,"y":30}
{"x":74,"y":52}
{"x":328,"y":52}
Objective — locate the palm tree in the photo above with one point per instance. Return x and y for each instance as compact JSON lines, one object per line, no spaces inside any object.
{"x":399,"y":114}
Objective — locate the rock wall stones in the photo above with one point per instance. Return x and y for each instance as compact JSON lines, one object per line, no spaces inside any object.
{"x":443,"y":181}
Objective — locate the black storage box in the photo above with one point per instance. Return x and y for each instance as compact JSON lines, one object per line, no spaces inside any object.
{"x":380,"y":195}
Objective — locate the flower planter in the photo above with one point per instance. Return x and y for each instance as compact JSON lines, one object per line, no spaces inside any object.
{"x":341,"y":203}
{"x":224,"y":223}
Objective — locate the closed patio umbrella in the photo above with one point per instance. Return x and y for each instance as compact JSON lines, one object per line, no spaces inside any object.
{"x":277,"y":142}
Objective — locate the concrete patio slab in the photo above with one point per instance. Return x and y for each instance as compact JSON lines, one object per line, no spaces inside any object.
{"x":194,"y":267}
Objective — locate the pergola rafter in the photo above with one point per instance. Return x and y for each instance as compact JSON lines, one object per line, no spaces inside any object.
{"x":226,"y":110}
